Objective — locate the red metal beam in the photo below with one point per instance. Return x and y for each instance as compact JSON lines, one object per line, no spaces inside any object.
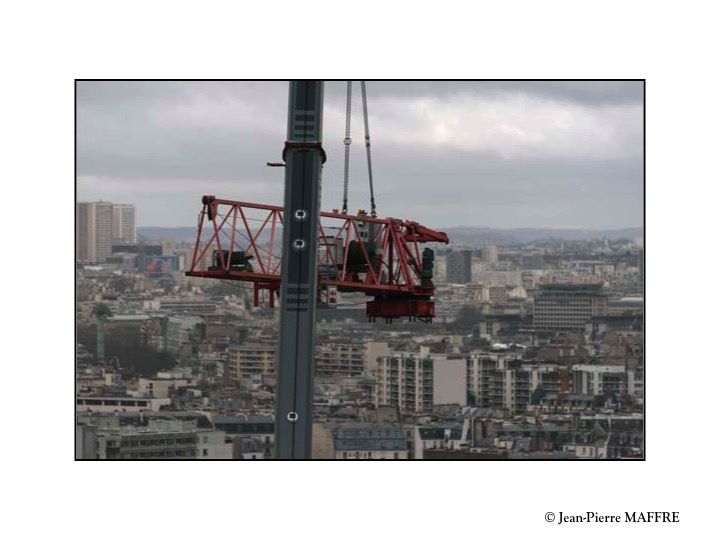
{"x":395,"y":246}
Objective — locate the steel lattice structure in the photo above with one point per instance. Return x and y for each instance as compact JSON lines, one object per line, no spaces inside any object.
{"x":380,"y":257}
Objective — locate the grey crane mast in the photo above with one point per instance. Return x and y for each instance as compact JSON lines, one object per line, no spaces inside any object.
{"x":304,"y":156}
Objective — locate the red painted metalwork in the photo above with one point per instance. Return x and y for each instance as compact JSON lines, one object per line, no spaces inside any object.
{"x":392,"y":309}
{"x":379,"y":257}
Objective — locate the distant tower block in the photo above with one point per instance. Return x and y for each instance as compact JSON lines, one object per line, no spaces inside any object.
{"x":459,"y":266}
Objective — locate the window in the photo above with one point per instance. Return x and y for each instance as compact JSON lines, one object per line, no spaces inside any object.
{"x":205,"y":452}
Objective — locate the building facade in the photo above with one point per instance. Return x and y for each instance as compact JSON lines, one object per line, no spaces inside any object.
{"x":93,"y":231}
{"x":362,"y":441}
{"x":123,"y":224}
{"x":182,"y":330}
{"x":245,"y":361}
{"x":459,"y":267}
{"x":416,"y":384}
{"x":339,"y":359}
{"x":163,"y":440}
{"x":568,"y":306}
{"x":99,"y":225}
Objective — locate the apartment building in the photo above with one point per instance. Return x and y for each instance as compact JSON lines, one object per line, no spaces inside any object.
{"x":93,"y":231}
{"x":100,"y":224}
{"x":110,"y":404}
{"x":341,"y":358}
{"x":597,"y":380}
{"x":163,"y":439}
{"x":504,"y":381}
{"x":459,"y":267}
{"x":367,"y":441}
{"x":440,"y":437}
{"x":123,"y":223}
{"x":253,"y":436}
{"x":249,"y":360}
{"x":417,"y":383}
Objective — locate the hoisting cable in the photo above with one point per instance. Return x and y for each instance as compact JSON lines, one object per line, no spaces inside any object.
{"x":347,"y":142}
{"x":373,"y":212}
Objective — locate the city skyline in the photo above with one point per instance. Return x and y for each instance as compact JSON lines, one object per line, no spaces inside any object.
{"x":536,"y":351}
{"x":193,"y":342}
{"x":544,"y":154}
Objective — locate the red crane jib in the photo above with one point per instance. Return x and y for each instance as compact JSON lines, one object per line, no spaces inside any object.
{"x":380,"y":257}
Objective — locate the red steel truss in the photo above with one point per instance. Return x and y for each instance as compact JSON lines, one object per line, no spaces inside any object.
{"x":357,"y":253}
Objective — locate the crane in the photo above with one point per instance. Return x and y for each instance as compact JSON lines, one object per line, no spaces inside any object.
{"x":322,"y":253}
{"x":304,"y":156}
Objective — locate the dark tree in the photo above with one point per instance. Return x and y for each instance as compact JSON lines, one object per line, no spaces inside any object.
{"x":466,"y":319}
{"x":128,"y":347}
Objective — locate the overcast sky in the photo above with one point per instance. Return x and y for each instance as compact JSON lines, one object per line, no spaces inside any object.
{"x":496,"y":154}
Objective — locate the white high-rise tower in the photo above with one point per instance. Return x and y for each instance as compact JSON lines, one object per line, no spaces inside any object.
{"x":93,"y":231}
{"x":123,"y":224}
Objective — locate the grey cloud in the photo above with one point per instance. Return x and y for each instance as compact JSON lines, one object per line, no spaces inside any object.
{"x":583,"y":92}
{"x":163,"y":144}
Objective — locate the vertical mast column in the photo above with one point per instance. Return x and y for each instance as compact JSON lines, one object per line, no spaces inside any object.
{"x":303,"y":157}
